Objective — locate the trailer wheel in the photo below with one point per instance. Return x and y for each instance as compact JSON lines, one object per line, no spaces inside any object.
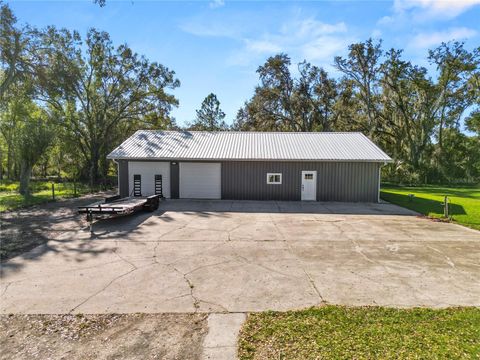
{"x":152,"y":205}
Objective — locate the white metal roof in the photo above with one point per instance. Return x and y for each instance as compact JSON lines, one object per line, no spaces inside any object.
{"x":231,"y":145}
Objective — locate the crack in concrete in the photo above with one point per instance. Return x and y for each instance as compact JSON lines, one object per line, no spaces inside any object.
{"x":6,"y":288}
{"x":206,"y":266}
{"x":154,"y":257}
{"x":224,"y":309}
{"x":103,"y":289}
{"x":208,"y":249}
{"x":247,"y":261}
{"x":121,"y":257}
{"x":196,"y":300}
{"x":309,"y":278}
{"x":372,"y":280}
{"x":177,"y":297}
{"x":340,"y":229}
{"x":233,"y":229}
{"x":175,"y":229}
{"x":404,"y":232}
{"x":447,"y":259}
{"x":190,"y":284}
{"x":358,"y":249}
{"x":112,"y":281}
{"x":472,"y":264}
{"x":196,"y":304}
{"x":65,"y":271}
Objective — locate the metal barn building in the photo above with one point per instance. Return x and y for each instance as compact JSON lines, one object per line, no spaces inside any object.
{"x":311,"y":166}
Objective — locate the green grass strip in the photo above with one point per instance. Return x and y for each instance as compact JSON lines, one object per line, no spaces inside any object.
{"x":337,"y":332}
{"x":428,"y":200}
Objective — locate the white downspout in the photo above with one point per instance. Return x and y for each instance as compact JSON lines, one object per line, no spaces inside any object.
{"x":380,"y":178}
{"x":118,"y":176}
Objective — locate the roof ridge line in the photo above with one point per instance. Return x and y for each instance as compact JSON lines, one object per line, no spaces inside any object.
{"x":253,"y":132}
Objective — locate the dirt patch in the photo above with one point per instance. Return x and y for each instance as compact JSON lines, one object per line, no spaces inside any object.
{"x":106,"y":336}
{"x":24,"y":229}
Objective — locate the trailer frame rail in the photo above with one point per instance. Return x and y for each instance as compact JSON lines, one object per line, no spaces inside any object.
{"x":117,"y":206}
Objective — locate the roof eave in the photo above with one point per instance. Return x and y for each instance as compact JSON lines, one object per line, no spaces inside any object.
{"x":243,"y":159}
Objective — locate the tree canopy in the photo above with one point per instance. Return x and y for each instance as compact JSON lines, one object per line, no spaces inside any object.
{"x":209,"y":116}
{"x":412,"y":115}
{"x":94,"y":93}
{"x":67,"y":99}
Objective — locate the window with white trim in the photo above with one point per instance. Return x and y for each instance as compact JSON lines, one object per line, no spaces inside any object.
{"x":274,"y":178}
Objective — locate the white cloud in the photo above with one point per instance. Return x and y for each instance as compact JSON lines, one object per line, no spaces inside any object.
{"x":385,"y":20}
{"x":262,"y":46}
{"x":413,"y":13}
{"x":216,"y":4}
{"x":212,"y":28}
{"x":323,"y":49}
{"x":300,"y":37}
{"x":426,"y":40}
{"x":434,"y":8}
{"x":308,"y":39}
{"x":376,"y":34}
{"x":311,"y":27}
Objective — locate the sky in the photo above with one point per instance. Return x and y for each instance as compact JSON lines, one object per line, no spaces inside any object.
{"x":217,"y":45}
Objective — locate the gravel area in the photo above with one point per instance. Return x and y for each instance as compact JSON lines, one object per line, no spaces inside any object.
{"x":24,"y":229}
{"x":107,"y":336}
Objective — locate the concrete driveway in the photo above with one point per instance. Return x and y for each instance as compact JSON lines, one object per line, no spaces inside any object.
{"x":242,"y":256}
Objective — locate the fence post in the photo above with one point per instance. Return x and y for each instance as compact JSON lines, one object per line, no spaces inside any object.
{"x":53,"y":191}
{"x":74,"y":189}
{"x":445,"y":209}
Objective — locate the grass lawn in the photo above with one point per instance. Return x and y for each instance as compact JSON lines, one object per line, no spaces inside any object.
{"x":464,"y":201}
{"x":336,"y":332}
{"x":41,"y":192}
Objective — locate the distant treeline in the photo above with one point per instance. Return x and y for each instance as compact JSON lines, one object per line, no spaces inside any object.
{"x":66,"y":101}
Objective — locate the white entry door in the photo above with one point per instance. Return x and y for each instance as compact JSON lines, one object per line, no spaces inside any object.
{"x":309,"y":185}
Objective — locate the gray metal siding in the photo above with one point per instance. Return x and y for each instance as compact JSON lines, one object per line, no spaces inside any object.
{"x":174,"y":180}
{"x":247,"y":180}
{"x":123,"y":178}
{"x":336,"y":181}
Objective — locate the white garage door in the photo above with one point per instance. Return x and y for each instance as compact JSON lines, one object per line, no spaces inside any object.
{"x":200,"y":180}
{"x":147,"y":170}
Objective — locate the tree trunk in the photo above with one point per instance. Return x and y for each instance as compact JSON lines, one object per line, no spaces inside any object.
{"x":94,"y":159}
{"x":104,"y":165}
{"x":44,"y":168}
{"x":440,"y":136}
{"x":25,"y":172}
{"x":9,"y":162}
{"x":15,"y":171}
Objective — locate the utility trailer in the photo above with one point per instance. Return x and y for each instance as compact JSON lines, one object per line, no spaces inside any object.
{"x":117,"y":206}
